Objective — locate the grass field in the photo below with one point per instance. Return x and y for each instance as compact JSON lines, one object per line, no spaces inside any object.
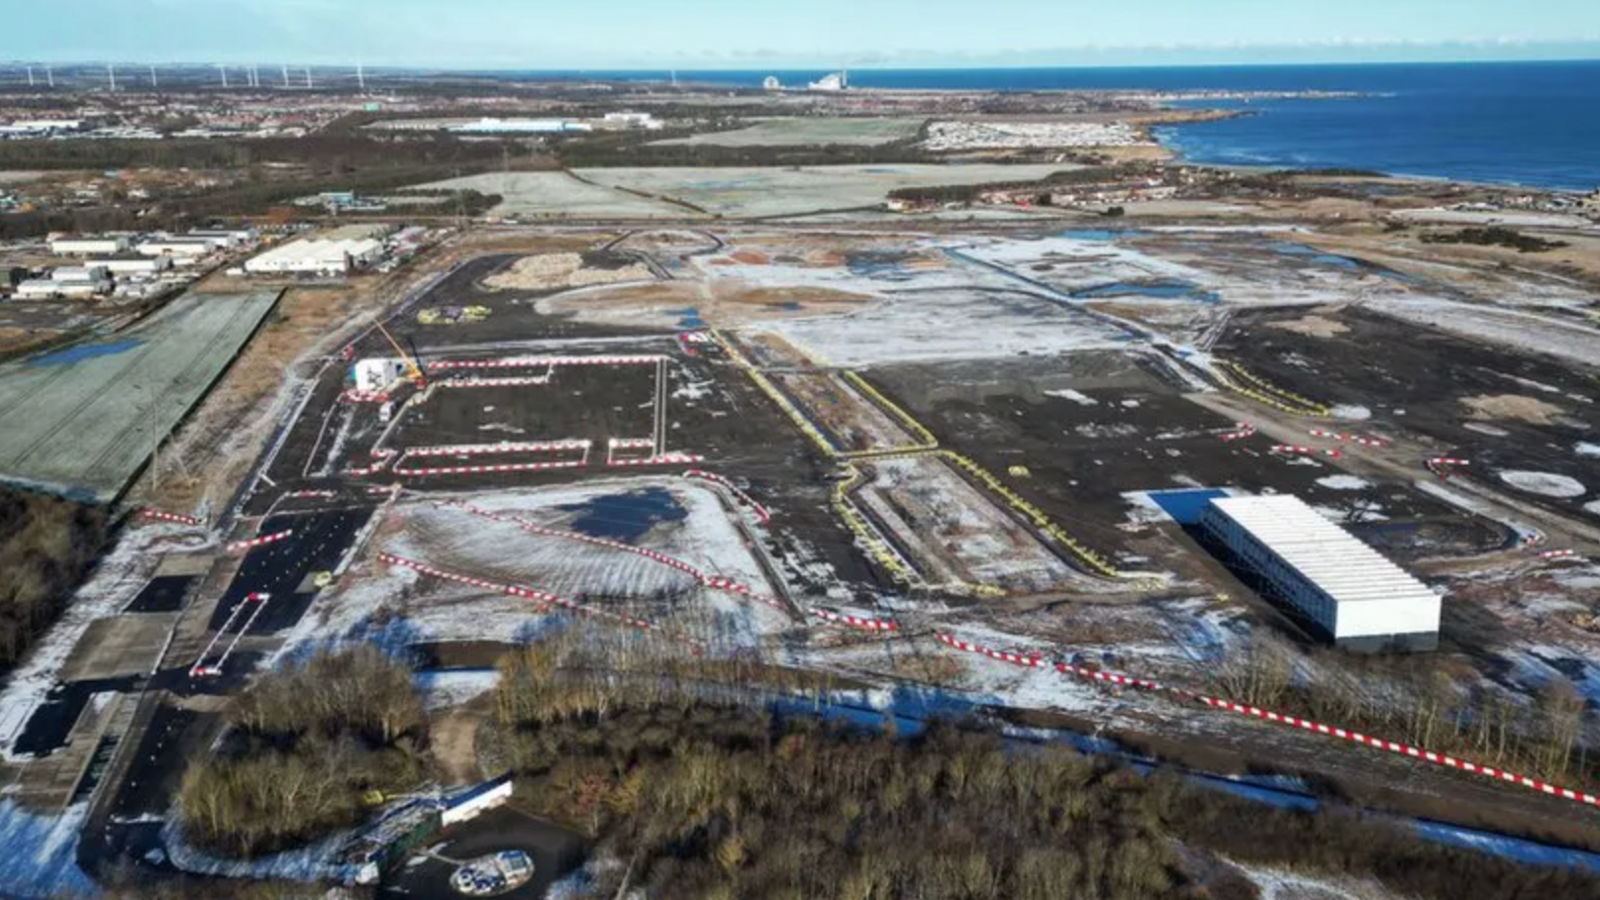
{"x":533,"y":194}
{"x":775,"y":191}
{"x":807,"y":133}
{"x":84,"y":420}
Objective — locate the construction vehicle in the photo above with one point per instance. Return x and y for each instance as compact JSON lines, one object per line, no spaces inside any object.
{"x":413,"y":369}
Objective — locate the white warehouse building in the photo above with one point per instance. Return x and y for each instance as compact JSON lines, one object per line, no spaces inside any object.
{"x":1343,"y":588}
{"x":317,"y":257}
{"x":101,"y":246}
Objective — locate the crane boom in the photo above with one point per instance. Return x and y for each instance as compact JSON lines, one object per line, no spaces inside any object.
{"x":413,"y":370}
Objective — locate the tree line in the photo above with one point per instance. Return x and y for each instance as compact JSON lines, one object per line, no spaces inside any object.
{"x":704,"y":799}
{"x":305,"y":745}
{"x":47,"y":547}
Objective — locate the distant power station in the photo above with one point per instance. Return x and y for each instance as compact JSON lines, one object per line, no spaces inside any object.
{"x":838,"y":81}
{"x":771,"y":83}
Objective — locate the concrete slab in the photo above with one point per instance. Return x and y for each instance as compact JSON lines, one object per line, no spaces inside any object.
{"x":119,"y":646}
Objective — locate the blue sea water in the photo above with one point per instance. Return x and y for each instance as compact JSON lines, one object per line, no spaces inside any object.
{"x":1531,"y":123}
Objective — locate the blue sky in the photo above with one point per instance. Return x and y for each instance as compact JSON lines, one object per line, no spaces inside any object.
{"x":571,"y":34}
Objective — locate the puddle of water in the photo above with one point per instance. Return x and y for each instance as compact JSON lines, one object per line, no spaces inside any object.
{"x":1312,"y":254}
{"x":880,"y":266}
{"x":1099,"y":234}
{"x":85,"y":351}
{"x":1161,"y":289}
{"x":625,"y":517}
{"x":689,"y":317}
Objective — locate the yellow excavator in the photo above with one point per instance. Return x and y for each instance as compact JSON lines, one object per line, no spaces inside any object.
{"x":413,"y":369}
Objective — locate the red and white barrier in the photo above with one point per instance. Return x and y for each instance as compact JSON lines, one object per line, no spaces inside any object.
{"x":1016,"y":659}
{"x":531,"y":362}
{"x":760,"y":511}
{"x":485,"y":470}
{"x":531,"y":381}
{"x":262,"y":541}
{"x":255,"y":602}
{"x":1240,"y":431}
{"x":169,"y":517}
{"x":1363,"y":440}
{"x":669,"y":459}
{"x":355,"y":396}
{"x":1306,"y":451}
{"x":544,"y":597}
{"x":715,"y":582}
{"x":828,"y":615}
{"x":1443,"y":466}
{"x":1281,"y":718}
{"x":501,"y":447}
{"x":1559,"y":554}
{"x":310,"y":495}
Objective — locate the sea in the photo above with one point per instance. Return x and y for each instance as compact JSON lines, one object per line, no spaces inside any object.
{"x":1526,"y":123}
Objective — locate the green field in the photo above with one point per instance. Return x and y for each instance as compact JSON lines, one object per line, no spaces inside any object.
{"x":83,"y":421}
{"x":807,"y":133}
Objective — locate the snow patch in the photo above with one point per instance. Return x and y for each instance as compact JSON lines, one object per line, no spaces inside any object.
{"x":1074,"y":396}
{"x":1344,"y":483}
{"x":1352,"y":413}
{"x":1584,"y":448}
{"x":1545,"y":484}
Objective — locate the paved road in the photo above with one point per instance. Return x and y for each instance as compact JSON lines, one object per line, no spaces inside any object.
{"x":555,"y":851}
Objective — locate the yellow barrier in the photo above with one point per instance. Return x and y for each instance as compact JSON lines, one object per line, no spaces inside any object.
{"x":877,"y":548}
{"x":1274,"y":396}
{"x":925,"y":437}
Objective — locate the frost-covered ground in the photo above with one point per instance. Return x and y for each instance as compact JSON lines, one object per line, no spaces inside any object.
{"x":115,"y":581}
{"x":1517,"y":328}
{"x":954,"y":324}
{"x":39,"y":853}
{"x":395,"y":605}
{"x":1545,"y":484}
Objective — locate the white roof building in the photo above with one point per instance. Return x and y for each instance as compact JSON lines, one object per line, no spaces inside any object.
{"x":1341,"y":585}
{"x":86,"y":246}
{"x":317,"y":257}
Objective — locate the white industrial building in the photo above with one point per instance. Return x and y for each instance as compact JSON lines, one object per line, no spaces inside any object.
{"x":838,"y":81}
{"x":1344,"y":588}
{"x":50,"y":289}
{"x":226,"y":237}
{"x":98,"y":246}
{"x":132,"y":265}
{"x":179,"y":247}
{"x":640,"y":121}
{"x":317,"y":257}
{"x":80,"y":273}
{"x":489,"y":125}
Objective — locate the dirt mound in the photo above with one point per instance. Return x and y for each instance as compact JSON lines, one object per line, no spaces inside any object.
{"x":550,"y":271}
{"x":1513,"y":406}
{"x":1312,"y":326}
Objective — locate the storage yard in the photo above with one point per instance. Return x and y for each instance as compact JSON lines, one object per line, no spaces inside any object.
{"x":968,"y":467}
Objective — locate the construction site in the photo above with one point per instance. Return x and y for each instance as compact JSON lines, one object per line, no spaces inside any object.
{"x":967,"y":465}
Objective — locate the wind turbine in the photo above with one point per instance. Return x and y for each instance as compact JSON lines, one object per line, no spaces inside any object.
{"x":153,"y":82}
{"x":49,"y":75}
{"x":286,"y":76}
{"x":223,"y":70}
{"x":111,"y":76}
{"x":308,"y":78}
{"x":30,"y":76}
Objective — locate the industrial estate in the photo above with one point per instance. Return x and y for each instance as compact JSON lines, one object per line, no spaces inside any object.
{"x":430,"y":487}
